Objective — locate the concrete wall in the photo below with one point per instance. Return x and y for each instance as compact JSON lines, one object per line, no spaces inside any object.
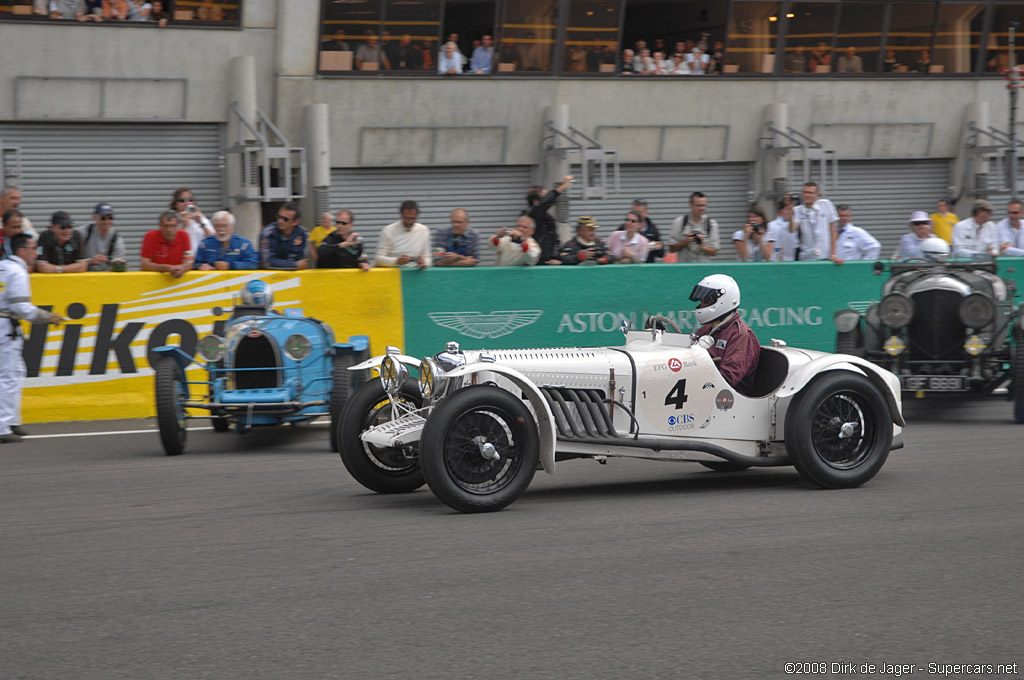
{"x":916,"y":118}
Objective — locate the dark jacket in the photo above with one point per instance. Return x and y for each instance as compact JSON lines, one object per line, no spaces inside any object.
{"x":735,"y":349}
{"x":331,"y":256}
{"x":571,"y":253}
{"x":545,"y":232}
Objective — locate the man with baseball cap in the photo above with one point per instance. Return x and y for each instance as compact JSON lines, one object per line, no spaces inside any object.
{"x":976,"y":235}
{"x":60,"y":248}
{"x":104,"y":248}
{"x":920,"y":225}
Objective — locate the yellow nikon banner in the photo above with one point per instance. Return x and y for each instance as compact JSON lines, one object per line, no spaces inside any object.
{"x":96,"y":366}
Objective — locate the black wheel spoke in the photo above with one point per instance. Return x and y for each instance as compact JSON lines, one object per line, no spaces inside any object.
{"x":463,"y":459}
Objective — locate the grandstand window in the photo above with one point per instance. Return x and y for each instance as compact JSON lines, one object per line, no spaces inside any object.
{"x":592,"y":36}
{"x":811,"y":26}
{"x":958,"y":36}
{"x":997,"y":56}
{"x":753,"y":36}
{"x":409,"y":38}
{"x":672,"y":21}
{"x":471,"y":20}
{"x":908,"y":40}
{"x":216,"y":13}
{"x":528,"y":35}
{"x":859,"y":37}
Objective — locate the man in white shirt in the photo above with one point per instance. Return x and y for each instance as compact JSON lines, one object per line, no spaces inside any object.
{"x":1011,"y":233}
{"x":405,"y":242}
{"x":852,"y":242}
{"x":976,"y":235}
{"x":780,"y":235}
{"x":815,"y":221}
{"x":920,"y":225}
{"x":514,"y":247}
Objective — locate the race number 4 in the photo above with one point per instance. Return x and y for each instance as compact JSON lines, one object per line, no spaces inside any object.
{"x":677,"y":395}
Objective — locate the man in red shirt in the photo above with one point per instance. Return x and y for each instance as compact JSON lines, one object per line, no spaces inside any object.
{"x":167,"y":249}
{"x":730,"y":342}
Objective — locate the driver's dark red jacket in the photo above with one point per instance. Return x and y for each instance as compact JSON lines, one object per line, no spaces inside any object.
{"x":737,"y":348}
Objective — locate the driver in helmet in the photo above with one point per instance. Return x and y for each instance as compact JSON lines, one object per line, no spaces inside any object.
{"x":727,"y":338}
{"x":255,"y":299}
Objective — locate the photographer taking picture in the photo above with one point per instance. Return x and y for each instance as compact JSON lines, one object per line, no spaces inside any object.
{"x":694,"y":236}
{"x":749,"y":241}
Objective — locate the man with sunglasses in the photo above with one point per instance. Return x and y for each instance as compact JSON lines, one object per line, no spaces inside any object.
{"x":60,"y":248}
{"x":104,"y":248}
{"x":920,"y":225}
{"x":284,"y":244}
{"x":1011,"y":230}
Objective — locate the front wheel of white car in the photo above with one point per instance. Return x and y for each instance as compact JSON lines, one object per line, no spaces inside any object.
{"x":839,"y":430}
{"x":479,"y":449}
{"x":378,"y":468}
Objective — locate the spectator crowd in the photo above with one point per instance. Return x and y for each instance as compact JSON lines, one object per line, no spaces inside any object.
{"x":806,"y":226}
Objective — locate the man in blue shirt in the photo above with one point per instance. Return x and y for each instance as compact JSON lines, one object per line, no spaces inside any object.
{"x":483,"y":56}
{"x":284,"y":244}
{"x":225,"y":250}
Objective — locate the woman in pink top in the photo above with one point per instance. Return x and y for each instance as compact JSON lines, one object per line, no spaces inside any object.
{"x":629,"y":246}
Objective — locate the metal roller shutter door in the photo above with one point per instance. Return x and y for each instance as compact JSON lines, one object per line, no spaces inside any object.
{"x":133,"y":166}
{"x":882,"y":194}
{"x":494,"y":196}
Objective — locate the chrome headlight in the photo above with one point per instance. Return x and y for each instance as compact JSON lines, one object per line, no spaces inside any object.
{"x":846,"y":320}
{"x":297,"y":347}
{"x":896,"y":310}
{"x":392,"y":374}
{"x":211,"y":348}
{"x":430,"y":377}
{"x":977,"y":310}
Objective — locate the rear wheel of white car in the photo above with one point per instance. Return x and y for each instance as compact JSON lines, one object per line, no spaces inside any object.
{"x":380,"y":469}
{"x":839,"y":430}
{"x":341,"y":387}
{"x":479,"y":449}
{"x":171,"y":393}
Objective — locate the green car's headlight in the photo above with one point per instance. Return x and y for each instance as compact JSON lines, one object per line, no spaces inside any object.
{"x":297,"y":347}
{"x":211,"y":348}
{"x":896,"y":310}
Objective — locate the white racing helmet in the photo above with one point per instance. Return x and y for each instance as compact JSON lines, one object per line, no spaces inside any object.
{"x":257,"y":294}
{"x":720,"y":294}
{"x":935,"y":249}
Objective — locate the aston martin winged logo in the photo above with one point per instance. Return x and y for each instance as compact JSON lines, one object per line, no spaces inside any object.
{"x":861,"y":305}
{"x":478,"y":325}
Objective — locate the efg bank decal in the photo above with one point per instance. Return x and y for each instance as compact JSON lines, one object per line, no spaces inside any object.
{"x":764,"y":317}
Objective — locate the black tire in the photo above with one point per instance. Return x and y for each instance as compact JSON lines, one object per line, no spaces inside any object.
{"x":221,"y":424}
{"x":384,"y":470}
{"x":725,"y":466}
{"x":450,"y":449}
{"x":341,"y":387}
{"x":1018,"y":376}
{"x":813,"y":427}
{"x":171,"y":393}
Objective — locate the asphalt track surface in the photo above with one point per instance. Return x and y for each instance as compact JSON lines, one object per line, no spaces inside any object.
{"x":257,"y":556}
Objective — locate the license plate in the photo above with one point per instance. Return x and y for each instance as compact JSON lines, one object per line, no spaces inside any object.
{"x":933,"y":383}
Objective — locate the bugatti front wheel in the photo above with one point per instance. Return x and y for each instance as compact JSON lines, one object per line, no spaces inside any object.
{"x":171,"y":393}
{"x":839,"y":430}
{"x":479,"y":449}
{"x":1018,"y":377}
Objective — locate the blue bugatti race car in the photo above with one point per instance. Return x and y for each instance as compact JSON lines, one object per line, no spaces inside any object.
{"x":269,"y":368}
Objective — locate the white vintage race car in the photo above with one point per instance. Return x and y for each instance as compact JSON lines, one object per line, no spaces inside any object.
{"x":475,"y":424}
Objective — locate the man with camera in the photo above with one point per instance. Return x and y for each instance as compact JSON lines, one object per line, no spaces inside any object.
{"x":515,"y":247}
{"x":586,"y":248}
{"x":694,"y":236}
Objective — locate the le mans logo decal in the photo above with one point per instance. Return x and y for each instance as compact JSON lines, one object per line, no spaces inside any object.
{"x":479,"y":325}
{"x":675,"y":364}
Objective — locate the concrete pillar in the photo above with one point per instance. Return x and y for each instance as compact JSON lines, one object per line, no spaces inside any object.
{"x":966,"y":168}
{"x":318,"y":159}
{"x":553,"y":169}
{"x":772,"y":169}
{"x":242,"y":92}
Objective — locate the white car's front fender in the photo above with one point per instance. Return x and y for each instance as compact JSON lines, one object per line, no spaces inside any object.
{"x":374,"y":362}
{"x":545,"y":419}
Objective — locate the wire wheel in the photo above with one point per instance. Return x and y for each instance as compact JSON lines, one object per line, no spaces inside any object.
{"x":838,"y":432}
{"x":471,"y":434}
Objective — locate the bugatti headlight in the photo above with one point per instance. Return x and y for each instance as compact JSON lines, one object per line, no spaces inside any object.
{"x":430,"y":377}
{"x":846,"y":320}
{"x":896,"y":310}
{"x":211,"y":348}
{"x":392,"y":374}
{"x":977,"y":310}
{"x":297,"y":347}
